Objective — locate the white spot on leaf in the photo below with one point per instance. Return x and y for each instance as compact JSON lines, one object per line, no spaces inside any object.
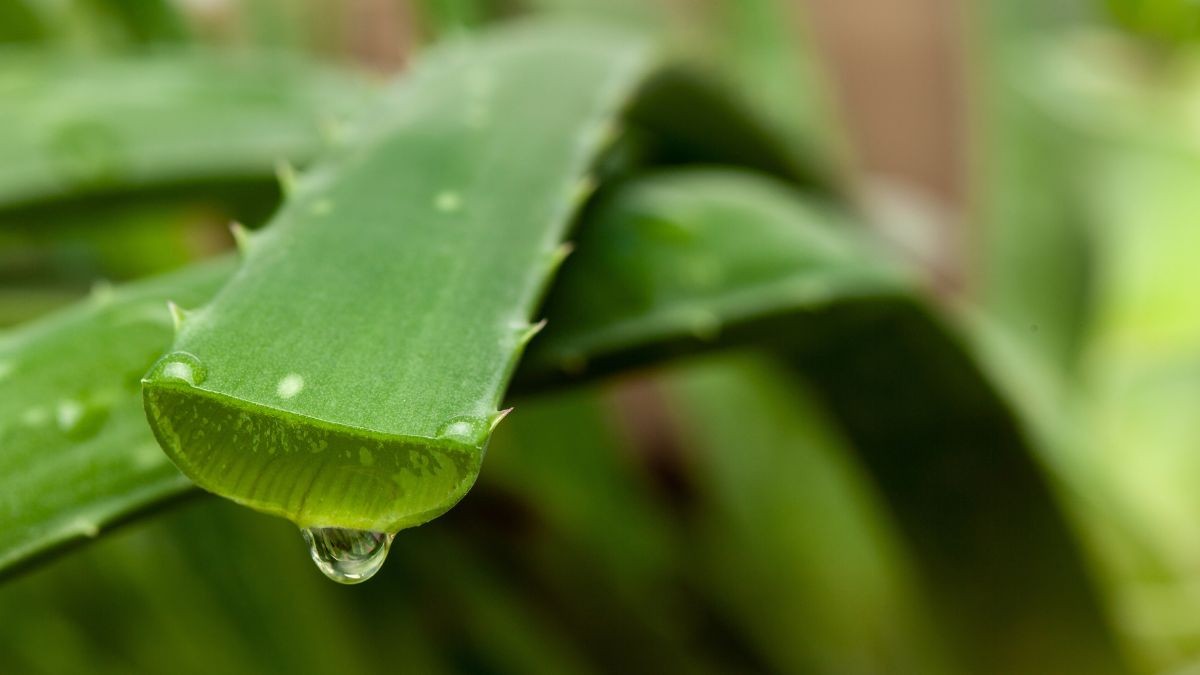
{"x":448,"y":201}
{"x":69,"y":413}
{"x":289,"y":385}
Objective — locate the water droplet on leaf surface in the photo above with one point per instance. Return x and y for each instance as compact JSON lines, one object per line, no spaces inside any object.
{"x":466,"y":429}
{"x":347,"y":556}
{"x":180,"y":366}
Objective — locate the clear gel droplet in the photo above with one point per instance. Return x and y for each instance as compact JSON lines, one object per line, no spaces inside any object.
{"x":347,"y":556}
{"x":180,"y":366}
{"x":467,"y":429}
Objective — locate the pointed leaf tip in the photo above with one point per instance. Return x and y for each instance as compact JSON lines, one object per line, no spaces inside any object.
{"x":178,"y":314}
{"x":561,"y":253}
{"x":286,"y":174}
{"x":530,"y":332}
{"x":498,"y":417}
{"x":584,"y":189}
{"x":241,"y":235}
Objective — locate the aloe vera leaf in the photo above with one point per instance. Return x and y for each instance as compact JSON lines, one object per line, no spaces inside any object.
{"x":376,"y":419}
{"x":668,"y":265}
{"x":76,"y":453}
{"x":781,"y":497}
{"x":945,"y":448}
{"x":74,"y":126}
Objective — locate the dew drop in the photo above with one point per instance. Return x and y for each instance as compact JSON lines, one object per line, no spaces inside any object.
{"x":180,"y":366}
{"x":347,"y":556}
{"x":466,"y":429}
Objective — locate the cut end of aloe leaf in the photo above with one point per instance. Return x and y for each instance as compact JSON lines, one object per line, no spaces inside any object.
{"x":349,"y":374}
{"x":318,"y":475}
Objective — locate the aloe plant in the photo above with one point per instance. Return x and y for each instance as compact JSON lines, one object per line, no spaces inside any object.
{"x":176,"y":117}
{"x":287,"y":387}
{"x":79,"y":422}
{"x":831,"y":269}
{"x":298,"y":438}
{"x":816,"y":287}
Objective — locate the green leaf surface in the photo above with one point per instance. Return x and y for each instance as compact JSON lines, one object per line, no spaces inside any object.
{"x":76,"y":453}
{"x":443,"y":221}
{"x":678,"y":260}
{"x":74,"y":126}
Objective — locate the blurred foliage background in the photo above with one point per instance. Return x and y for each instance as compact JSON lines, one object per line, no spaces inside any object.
{"x":1038,"y":159}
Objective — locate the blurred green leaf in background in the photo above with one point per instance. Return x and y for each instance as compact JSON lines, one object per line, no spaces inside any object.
{"x":754,"y":437}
